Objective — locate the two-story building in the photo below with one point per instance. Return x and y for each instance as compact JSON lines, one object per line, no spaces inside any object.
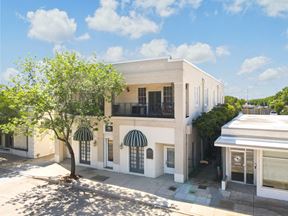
{"x":151,"y":131}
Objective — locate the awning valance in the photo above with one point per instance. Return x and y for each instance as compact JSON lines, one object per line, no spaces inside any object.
{"x":135,"y":138}
{"x":255,"y":143}
{"x":83,"y":134}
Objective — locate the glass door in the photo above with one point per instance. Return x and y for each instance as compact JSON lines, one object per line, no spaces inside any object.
{"x":237,"y":166}
{"x":242,"y":166}
{"x":169,"y":160}
{"x":108,"y":153}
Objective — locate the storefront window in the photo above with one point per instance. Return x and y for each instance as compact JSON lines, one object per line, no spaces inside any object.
{"x":275,"y":169}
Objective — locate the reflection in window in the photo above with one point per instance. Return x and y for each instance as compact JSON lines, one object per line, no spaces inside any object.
{"x":275,"y":169}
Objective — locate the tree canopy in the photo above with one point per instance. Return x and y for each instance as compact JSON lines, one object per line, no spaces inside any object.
{"x":277,"y":102}
{"x":54,"y":92}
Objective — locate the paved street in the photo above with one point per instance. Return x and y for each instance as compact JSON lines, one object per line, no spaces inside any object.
{"x":109,"y":193}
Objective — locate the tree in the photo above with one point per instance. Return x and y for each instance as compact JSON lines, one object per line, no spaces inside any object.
{"x":51,"y":94}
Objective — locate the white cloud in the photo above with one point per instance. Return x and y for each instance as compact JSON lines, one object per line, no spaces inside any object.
{"x":197,"y":53}
{"x":106,"y":18}
{"x":51,"y":25}
{"x":237,"y":6}
{"x":271,"y":8}
{"x":83,"y":37}
{"x":113,"y":54}
{"x":222,"y":51}
{"x":155,"y":48}
{"x":253,"y":64}
{"x":274,"y":7}
{"x":9,"y":73}
{"x":166,"y":8}
{"x":273,"y":73}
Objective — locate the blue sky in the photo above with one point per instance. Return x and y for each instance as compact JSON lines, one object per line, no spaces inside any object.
{"x":242,"y":42}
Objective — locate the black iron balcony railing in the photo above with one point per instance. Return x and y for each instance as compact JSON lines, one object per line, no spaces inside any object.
{"x":155,"y":110}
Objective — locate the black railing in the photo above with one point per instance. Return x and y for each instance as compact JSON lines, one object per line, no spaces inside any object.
{"x":155,"y":110}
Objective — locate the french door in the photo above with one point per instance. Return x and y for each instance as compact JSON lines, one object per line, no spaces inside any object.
{"x":154,"y":103}
{"x":136,"y":159}
{"x":169,"y":160}
{"x":84,"y":152}
{"x":242,"y":166}
{"x":108,"y":153}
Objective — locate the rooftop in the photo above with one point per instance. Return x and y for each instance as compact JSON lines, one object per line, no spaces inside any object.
{"x":259,"y":122}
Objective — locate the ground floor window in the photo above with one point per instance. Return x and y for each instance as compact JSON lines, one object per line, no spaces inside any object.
{"x":84,"y":152}
{"x":136,"y":159}
{"x":275,"y":169}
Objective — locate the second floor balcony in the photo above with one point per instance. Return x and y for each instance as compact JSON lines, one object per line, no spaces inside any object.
{"x":153,"y":110}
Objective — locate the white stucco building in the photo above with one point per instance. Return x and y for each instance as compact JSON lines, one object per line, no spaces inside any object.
{"x":255,"y":151}
{"x":34,"y":146}
{"x":151,"y":132}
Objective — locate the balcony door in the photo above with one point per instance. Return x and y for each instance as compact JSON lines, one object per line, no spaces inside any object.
{"x":154,"y":104}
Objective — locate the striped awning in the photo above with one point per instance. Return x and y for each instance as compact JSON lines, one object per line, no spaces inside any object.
{"x":135,"y":138}
{"x":83,"y":134}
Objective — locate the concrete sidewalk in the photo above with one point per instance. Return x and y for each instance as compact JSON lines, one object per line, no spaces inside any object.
{"x":238,"y":198}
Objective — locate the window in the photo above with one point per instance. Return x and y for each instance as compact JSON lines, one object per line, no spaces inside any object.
{"x":168,"y":100}
{"x":110,"y":150}
{"x":197,"y":95}
{"x":187,"y":98}
{"x":84,"y":152}
{"x":275,"y":174}
{"x":206,"y":97}
{"x":214,"y":98}
{"x":168,"y":95}
{"x":136,"y":159}
{"x":142,"y":95}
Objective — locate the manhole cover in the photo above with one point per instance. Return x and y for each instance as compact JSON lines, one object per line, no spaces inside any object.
{"x":172,"y":188}
{"x":204,"y":187}
{"x":99,"y":178}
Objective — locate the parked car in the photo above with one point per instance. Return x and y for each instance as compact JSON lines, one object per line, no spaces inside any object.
{"x":273,"y":112}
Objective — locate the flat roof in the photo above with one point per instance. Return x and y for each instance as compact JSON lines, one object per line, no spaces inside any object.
{"x":259,"y":122}
{"x":168,"y":59}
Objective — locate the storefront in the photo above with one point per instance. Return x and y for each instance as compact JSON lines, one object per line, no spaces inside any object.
{"x":255,"y":151}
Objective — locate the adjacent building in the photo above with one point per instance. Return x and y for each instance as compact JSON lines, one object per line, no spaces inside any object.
{"x":255,"y":152}
{"x":151,"y":121}
{"x":34,"y":146}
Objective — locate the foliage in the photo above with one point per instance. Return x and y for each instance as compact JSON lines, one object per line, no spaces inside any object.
{"x":209,"y":124}
{"x":234,"y":101}
{"x":278,"y":102}
{"x":54,"y":92}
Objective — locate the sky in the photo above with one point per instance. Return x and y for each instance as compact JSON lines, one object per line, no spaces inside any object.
{"x":244,"y":43}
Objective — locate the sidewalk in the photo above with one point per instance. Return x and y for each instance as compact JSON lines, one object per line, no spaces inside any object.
{"x":178,"y":208}
{"x":237,"y":198}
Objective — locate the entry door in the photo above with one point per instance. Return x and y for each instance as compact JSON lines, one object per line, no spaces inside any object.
{"x":108,"y":152}
{"x":154,"y":103}
{"x":84,"y":152}
{"x":242,"y":166}
{"x":136,"y":159}
{"x":169,"y":159}
{"x":237,"y":166}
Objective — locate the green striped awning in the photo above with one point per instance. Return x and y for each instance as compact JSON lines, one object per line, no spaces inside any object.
{"x":83,"y":134}
{"x":135,"y":138}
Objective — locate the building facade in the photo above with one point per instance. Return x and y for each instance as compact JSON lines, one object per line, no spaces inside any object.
{"x":255,"y":152}
{"x":34,"y":146}
{"x":151,"y":120}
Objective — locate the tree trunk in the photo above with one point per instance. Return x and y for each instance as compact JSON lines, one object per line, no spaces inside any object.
{"x":73,"y":167}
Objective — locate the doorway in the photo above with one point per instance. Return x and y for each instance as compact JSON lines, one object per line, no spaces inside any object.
{"x":136,"y":159}
{"x":242,"y":166}
{"x":108,"y":153}
{"x":154,"y":103}
{"x":169,"y":160}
